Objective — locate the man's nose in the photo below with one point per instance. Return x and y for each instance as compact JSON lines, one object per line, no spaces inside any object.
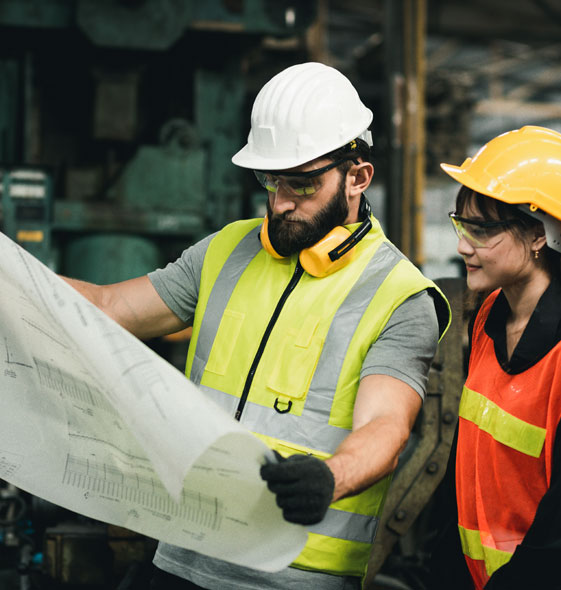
{"x":281,"y":201}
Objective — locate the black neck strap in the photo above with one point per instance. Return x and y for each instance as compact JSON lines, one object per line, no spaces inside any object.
{"x":364,"y":212}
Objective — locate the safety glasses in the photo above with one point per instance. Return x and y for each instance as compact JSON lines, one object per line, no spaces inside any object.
{"x":297,"y":184}
{"x":480,"y":234}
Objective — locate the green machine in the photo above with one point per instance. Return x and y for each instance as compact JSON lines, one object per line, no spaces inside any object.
{"x":159,"y":195}
{"x":118,"y":119}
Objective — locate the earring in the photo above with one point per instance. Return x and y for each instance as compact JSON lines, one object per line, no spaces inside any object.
{"x":536,"y":254}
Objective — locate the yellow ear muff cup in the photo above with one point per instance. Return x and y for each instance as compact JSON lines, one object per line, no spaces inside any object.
{"x":315,"y":260}
{"x":265,"y":241}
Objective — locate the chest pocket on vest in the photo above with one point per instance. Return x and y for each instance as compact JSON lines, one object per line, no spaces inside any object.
{"x":223,"y":347}
{"x":297,"y":359}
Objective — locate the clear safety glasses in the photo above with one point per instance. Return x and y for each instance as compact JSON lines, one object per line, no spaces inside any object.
{"x":480,"y":234}
{"x":298,"y":184}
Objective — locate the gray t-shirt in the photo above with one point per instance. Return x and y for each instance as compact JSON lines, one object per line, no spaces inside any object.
{"x":404,"y":350}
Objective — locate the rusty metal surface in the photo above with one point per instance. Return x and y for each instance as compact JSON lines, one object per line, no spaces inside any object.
{"x":417,"y":479}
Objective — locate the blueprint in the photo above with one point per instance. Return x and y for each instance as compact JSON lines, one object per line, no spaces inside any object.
{"x":93,"y":420}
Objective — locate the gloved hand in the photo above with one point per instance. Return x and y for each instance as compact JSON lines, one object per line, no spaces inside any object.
{"x":303,"y":485}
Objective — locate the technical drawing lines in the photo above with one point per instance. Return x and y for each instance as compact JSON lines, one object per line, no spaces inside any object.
{"x":103,"y":441}
{"x":69,"y":386}
{"x":130,"y":356}
{"x":137,"y":366}
{"x":10,"y":360}
{"x":9,"y":463}
{"x":49,"y":334}
{"x":111,"y":482}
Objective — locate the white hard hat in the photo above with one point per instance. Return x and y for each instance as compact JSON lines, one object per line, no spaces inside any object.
{"x":304,"y":112}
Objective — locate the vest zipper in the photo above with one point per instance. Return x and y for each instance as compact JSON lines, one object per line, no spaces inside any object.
{"x":298,"y":272}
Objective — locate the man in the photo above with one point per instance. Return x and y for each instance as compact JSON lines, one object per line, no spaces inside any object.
{"x":309,"y":327}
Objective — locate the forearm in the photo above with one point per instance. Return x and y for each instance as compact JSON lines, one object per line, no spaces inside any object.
{"x":109,"y":299}
{"x":367,"y":455}
{"x":92,"y":292}
{"x":134,"y":304}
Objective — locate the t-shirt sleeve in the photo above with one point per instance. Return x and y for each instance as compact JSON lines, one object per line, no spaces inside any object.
{"x":178,"y":282}
{"x":407,"y":344}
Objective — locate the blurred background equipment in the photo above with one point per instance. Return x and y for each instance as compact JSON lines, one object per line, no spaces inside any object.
{"x":118,"y":121}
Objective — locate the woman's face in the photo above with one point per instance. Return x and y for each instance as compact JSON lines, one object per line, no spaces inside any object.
{"x":504,"y":260}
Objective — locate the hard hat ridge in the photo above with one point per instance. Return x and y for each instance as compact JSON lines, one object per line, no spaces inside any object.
{"x":302,"y":113}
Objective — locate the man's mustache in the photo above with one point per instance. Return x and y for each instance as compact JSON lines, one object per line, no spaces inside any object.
{"x":285,"y":217}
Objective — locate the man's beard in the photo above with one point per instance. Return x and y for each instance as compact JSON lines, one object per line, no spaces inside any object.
{"x":290,"y":237}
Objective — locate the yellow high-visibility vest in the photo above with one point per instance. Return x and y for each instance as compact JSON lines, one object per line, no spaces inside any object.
{"x":287,"y":362}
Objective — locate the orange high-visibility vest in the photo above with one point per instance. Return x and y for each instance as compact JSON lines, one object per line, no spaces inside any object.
{"x":505,"y":450}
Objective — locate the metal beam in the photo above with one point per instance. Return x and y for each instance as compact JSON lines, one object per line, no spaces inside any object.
{"x":405,"y":31}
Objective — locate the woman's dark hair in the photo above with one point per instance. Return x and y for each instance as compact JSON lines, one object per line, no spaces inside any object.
{"x":493,"y":209}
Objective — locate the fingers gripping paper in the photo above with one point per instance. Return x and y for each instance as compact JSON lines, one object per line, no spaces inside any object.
{"x":95,"y":421}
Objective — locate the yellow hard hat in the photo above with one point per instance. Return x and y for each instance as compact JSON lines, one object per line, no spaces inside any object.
{"x":518,"y":167}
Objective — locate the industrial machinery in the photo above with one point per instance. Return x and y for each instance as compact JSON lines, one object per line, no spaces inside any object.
{"x":118,"y":119}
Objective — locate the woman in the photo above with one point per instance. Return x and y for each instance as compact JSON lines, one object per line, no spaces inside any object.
{"x":508,"y":452}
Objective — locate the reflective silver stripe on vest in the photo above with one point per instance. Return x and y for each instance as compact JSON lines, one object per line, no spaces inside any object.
{"x":337,"y":341}
{"x":346,"y":525}
{"x":220,"y":294}
{"x":227,"y":402}
{"x":289,"y":427}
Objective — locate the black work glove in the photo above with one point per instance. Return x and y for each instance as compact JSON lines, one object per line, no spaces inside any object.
{"x":303,"y":485}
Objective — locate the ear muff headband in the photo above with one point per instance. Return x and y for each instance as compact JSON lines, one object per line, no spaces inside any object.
{"x":334,"y":251}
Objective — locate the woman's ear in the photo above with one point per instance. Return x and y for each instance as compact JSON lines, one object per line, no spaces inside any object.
{"x":359,"y":178}
{"x":539,"y":240}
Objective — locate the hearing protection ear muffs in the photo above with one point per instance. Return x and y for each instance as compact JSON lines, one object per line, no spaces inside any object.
{"x":334,"y":251}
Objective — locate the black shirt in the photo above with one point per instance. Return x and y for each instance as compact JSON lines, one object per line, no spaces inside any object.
{"x":542,"y":333}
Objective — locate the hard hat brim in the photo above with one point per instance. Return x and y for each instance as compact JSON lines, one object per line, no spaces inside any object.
{"x":461,"y":176}
{"x":246,"y":158}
